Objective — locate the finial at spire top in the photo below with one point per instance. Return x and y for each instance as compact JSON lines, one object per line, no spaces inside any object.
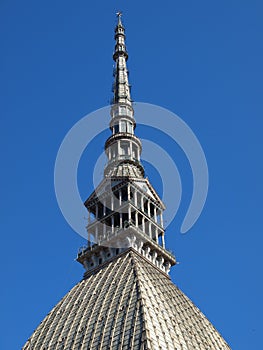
{"x":119,"y":14}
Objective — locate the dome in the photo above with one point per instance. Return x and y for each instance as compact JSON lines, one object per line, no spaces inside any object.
{"x":126,"y":303}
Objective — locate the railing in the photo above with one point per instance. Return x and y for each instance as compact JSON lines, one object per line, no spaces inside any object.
{"x":117,"y":230}
{"x":82,"y":250}
{"x":120,"y":158}
{"x":118,"y":112}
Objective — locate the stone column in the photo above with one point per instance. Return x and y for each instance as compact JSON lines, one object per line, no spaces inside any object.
{"x":96,"y":234}
{"x":142,"y":206}
{"x":112,"y":201}
{"x":121,"y":220}
{"x":112,"y":224}
{"x":156,"y":235}
{"x":150,"y":229}
{"x":129,"y":213}
{"x":129,"y":191}
{"x":135,"y":198}
{"x":119,"y":147}
{"x":163,"y":242}
{"x":149,"y":209}
{"x":155,"y":214}
{"x":120,"y":197}
{"x":143,"y":224}
{"x":89,"y":243}
{"x":130,"y":150}
{"x":104,"y":207}
{"x":161,"y":219}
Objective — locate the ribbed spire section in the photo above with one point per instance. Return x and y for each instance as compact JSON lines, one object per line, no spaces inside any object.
{"x":121,"y":87}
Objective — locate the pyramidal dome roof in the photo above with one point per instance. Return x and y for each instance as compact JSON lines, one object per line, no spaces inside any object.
{"x":126,"y":303}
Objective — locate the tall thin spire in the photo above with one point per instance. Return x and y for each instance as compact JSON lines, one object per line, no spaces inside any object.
{"x":121,"y":87}
{"x":123,"y":148}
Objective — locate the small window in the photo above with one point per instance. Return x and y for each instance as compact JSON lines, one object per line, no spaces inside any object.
{"x":122,"y":110}
{"x":114,"y":151}
{"x":134,"y":149}
{"x":123,"y":126}
{"x":129,"y":127}
{"x":116,"y":128}
{"x":124,"y":149}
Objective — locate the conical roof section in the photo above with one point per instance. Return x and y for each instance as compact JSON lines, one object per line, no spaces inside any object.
{"x":126,"y":303}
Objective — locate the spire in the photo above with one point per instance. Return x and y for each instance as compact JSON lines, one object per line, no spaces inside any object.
{"x":123,"y":148}
{"x":121,"y":87}
{"x":124,"y":211}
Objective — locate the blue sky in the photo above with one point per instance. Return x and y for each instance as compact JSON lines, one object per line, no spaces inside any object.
{"x":200,"y":59}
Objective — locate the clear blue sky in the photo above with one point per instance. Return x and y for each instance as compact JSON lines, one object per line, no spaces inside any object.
{"x":200,"y":59}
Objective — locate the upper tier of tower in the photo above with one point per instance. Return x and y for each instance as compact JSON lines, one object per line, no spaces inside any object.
{"x":124,"y":211}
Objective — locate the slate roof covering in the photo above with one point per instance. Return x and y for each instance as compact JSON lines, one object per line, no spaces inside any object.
{"x":126,"y":303}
